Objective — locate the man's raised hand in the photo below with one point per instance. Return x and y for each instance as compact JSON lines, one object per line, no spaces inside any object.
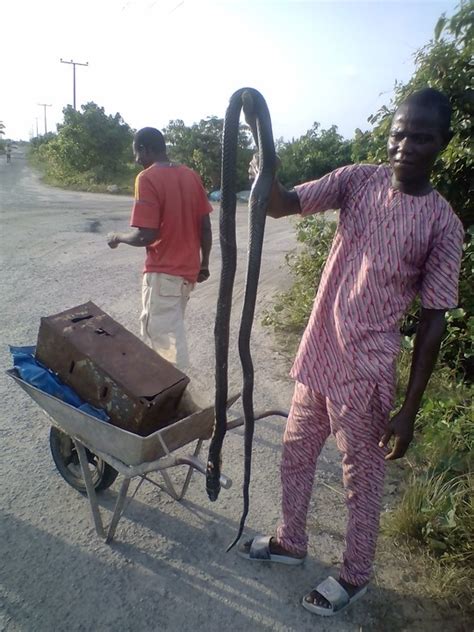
{"x":112,"y":240}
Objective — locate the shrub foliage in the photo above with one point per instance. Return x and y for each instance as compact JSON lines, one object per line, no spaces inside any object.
{"x":90,"y":147}
{"x":199,"y":147}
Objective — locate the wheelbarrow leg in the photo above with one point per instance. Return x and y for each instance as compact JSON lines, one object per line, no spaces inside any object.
{"x":99,"y":527}
{"x":170,"y":488}
{"x":189,"y":475}
{"x":118,"y":510}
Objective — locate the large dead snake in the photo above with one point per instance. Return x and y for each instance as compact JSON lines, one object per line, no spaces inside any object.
{"x":258,"y":117}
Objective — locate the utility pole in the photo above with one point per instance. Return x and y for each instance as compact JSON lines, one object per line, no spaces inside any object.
{"x":45,"y":105}
{"x":37,"y":133}
{"x":74,"y":64}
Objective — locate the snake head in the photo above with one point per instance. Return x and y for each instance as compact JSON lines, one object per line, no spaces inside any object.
{"x":213,"y":483}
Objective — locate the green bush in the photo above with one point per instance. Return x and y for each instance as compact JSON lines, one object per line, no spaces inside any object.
{"x":199,"y":146}
{"x":436,"y":509}
{"x":90,"y":149}
{"x":457,"y":347}
{"x":445,"y":63}
{"x":446,"y":428}
{"x":292,"y":308}
{"x":312,"y":155}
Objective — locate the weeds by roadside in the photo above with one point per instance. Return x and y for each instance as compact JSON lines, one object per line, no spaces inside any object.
{"x":121,"y":183}
{"x":292,"y":308}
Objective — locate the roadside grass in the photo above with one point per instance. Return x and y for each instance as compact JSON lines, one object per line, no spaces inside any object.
{"x":434,"y":516}
{"x":121,"y":183}
{"x":123,"y":186}
{"x":437,"y":512}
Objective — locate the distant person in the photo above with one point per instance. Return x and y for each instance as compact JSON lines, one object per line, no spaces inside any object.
{"x":8,"y":152}
{"x":397,"y":238}
{"x":171,"y":220}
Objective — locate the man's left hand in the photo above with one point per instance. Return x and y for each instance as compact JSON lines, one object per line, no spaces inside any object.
{"x":203,"y":275}
{"x":400,"y":427}
{"x":112,"y":240}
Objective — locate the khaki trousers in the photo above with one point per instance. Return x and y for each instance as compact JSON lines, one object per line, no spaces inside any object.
{"x":164,"y":300}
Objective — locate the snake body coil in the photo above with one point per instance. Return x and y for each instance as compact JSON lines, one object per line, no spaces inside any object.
{"x":258,"y":117}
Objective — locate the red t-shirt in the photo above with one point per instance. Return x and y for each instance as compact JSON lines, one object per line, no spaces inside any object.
{"x":173,"y":200}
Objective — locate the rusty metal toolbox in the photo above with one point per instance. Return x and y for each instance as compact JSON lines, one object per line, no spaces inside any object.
{"x":111,"y":368}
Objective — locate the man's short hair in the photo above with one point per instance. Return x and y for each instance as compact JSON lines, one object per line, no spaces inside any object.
{"x":151,"y":139}
{"x":436,"y":100}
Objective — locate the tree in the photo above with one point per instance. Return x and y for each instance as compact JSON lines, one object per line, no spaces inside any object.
{"x":445,"y":63}
{"x":361,"y":146}
{"x":88,"y":142}
{"x":200,"y":147}
{"x":314,"y":154}
{"x":37,"y":141}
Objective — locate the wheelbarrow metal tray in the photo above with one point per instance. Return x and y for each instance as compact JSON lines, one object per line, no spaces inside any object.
{"x":125,"y":446}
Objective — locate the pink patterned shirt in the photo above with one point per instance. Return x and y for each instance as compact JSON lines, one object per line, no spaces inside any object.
{"x":388,"y":247}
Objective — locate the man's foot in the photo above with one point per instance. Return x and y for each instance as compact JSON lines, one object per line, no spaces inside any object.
{"x":316,"y":599}
{"x":267,"y":549}
{"x":275,"y":549}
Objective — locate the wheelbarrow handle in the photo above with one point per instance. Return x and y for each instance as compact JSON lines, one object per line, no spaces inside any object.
{"x":198,"y":465}
{"x":259,"y":414}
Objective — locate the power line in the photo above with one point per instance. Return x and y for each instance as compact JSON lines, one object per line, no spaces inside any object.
{"x":73,"y":64}
{"x":44,"y":106}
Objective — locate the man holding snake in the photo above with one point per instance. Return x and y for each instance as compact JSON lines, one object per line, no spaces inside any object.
{"x":397,"y":238}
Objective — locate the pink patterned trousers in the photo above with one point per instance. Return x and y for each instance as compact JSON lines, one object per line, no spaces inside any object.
{"x":312,"y":418}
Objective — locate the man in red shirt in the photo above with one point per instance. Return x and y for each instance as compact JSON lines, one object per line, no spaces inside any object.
{"x":396,"y":238}
{"x":171,"y":220}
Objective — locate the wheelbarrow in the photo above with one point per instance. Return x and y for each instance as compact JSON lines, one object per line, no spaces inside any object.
{"x":90,"y":453}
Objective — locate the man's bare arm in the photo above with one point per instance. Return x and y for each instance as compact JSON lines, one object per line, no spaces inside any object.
{"x":139,"y":237}
{"x":427,"y":343}
{"x":282,"y":202}
{"x":206,"y":245}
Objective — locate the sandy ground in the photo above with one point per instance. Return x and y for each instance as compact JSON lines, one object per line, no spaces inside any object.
{"x":167,"y":568}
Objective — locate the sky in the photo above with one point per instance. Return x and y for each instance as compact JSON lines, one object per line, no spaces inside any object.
{"x":153,"y":61}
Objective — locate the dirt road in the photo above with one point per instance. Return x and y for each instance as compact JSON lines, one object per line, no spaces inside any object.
{"x":167,"y":569}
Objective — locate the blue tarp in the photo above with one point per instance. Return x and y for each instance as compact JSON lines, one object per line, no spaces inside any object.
{"x":33,"y":372}
{"x":242,"y":196}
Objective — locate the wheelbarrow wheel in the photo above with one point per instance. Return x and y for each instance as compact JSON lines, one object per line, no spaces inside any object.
{"x":66,"y":459}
